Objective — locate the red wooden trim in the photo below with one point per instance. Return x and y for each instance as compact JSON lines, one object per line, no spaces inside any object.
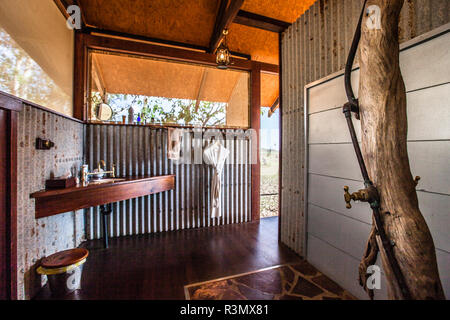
{"x":157,"y":41}
{"x":13,"y":100}
{"x":12,"y":206}
{"x":280,"y":107}
{"x":11,"y":105}
{"x":269,"y":68}
{"x":83,"y":42}
{"x":167,"y":52}
{"x":4,"y":200}
{"x":80,"y":77}
{"x":255,"y":123}
{"x":9,"y":102}
{"x":8,"y":180}
{"x":157,"y":51}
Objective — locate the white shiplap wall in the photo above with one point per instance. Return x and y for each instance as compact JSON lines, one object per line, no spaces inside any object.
{"x":313,"y":47}
{"x":336,"y":236}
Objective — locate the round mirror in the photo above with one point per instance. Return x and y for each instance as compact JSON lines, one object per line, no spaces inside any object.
{"x":103,"y":112}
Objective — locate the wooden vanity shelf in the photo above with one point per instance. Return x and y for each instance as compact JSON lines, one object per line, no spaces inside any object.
{"x":53,"y":202}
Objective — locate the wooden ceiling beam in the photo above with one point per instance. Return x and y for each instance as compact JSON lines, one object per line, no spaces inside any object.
{"x":224,"y":18}
{"x":261,"y":22}
{"x":268,"y":68}
{"x":176,"y":44}
{"x":220,"y":13}
{"x":63,"y":5}
{"x":157,"y":51}
{"x":274,"y":107}
{"x":151,"y":50}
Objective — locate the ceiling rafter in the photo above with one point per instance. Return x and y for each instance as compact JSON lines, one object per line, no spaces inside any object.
{"x":97,"y":76}
{"x":224,"y":18}
{"x":200,"y":88}
{"x":220,"y":13}
{"x":234,"y":89}
{"x":63,"y":5}
{"x":170,"y":43}
{"x":274,"y":106}
{"x":261,"y":22}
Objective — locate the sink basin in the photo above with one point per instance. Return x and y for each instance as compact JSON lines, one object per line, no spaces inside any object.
{"x":107,"y":180}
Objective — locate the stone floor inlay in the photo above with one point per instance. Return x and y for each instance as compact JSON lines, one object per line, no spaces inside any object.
{"x":299,"y":281}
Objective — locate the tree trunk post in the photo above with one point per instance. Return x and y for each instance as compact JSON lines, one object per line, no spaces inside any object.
{"x":382,"y":100}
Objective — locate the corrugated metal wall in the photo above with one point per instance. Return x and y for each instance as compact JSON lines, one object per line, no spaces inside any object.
{"x":142,"y":150}
{"x":315,"y":46}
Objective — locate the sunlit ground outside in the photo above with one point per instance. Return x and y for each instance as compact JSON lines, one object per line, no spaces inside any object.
{"x":269,"y":164}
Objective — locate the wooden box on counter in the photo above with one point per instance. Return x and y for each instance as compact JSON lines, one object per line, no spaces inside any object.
{"x":60,"y":183}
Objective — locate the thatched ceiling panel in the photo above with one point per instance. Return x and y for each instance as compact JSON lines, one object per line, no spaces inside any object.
{"x":261,"y":44}
{"x":148,"y":77}
{"x":176,"y":20}
{"x":284,"y":10}
{"x":269,"y":89}
{"x":192,"y":22}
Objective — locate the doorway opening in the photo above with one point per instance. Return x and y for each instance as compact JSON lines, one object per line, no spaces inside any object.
{"x":269,"y":153}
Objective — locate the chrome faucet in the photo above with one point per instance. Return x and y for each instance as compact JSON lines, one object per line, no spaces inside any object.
{"x":85,"y":175}
{"x":100,"y":163}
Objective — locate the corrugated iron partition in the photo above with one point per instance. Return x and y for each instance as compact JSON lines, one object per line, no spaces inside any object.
{"x":140,"y":150}
{"x":315,"y":46}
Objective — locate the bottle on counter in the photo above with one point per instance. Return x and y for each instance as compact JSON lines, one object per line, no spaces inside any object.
{"x":130,"y":115}
{"x":84,"y":173}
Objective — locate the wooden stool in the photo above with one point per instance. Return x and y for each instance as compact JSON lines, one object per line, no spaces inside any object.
{"x":63,"y":270}
{"x":64,"y":258}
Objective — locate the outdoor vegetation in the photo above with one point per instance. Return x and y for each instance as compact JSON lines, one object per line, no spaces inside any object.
{"x":269,"y":183}
{"x":164,"y":110}
{"x":22,"y":77}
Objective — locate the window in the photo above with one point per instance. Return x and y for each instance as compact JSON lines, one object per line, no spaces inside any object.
{"x":36,"y":54}
{"x":154,"y":91}
{"x":22,"y":77}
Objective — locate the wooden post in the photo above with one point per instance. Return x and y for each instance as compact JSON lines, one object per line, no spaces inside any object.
{"x":382,"y":99}
{"x":80,"y":80}
{"x":9,"y":109}
{"x":280,"y":132}
{"x":255,"y":124}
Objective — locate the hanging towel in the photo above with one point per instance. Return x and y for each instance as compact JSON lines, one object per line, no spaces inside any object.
{"x":216,"y":154}
{"x":174,"y":143}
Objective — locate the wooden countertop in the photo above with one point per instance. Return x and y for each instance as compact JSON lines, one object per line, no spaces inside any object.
{"x":52,"y":202}
{"x":127,"y":180}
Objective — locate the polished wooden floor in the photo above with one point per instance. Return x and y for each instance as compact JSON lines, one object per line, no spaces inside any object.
{"x":159,"y":266}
